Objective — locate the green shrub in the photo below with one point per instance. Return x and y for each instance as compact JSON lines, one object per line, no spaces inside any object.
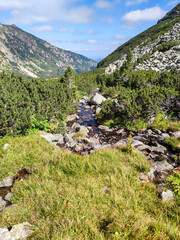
{"x":175,"y":182}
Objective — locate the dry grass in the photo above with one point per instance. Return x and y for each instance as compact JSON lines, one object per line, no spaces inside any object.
{"x":98,"y":196}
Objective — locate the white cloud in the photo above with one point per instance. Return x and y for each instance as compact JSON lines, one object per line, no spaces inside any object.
{"x":147,"y":14}
{"x":43,"y":28}
{"x":135,"y":2}
{"x":115,"y":43}
{"x":120,"y":37}
{"x":62,"y":30}
{"x":172,"y":3}
{"x":11,"y":4}
{"x":103,"y":4}
{"x":92,"y":41}
{"x":29,"y":11}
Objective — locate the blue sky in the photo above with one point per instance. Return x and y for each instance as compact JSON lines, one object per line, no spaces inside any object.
{"x":92,"y":28}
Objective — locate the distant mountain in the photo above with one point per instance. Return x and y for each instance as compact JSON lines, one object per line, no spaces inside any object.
{"x":23,"y":53}
{"x":157,"y":48}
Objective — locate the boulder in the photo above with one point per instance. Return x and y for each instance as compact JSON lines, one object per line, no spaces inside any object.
{"x":49,"y":137}
{"x":3,"y":204}
{"x":136,"y":143}
{"x":97,"y":99}
{"x":21,"y":231}
{"x":7,"y":182}
{"x":143,"y":177}
{"x":159,"y":168}
{"x":167,"y":195}
{"x":5,"y":234}
{"x":105,"y":129}
{"x":176,"y":134}
{"x":9,"y":197}
{"x":71,"y":119}
{"x":98,"y":110}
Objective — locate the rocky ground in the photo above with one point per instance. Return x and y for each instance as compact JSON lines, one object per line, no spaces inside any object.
{"x":84,"y":136}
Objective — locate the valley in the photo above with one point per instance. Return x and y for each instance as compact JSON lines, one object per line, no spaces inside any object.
{"x":90,"y":153}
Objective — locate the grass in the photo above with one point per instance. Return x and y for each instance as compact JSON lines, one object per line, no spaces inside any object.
{"x":79,"y":135}
{"x":173,"y":142}
{"x":160,"y":122}
{"x":98,"y":196}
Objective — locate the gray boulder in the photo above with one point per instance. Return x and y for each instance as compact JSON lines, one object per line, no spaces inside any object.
{"x":18,"y":232}
{"x":49,"y":137}
{"x":159,"y":167}
{"x":21,"y":231}
{"x":176,"y":134}
{"x":97,"y":99}
{"x":5,"y":234}
{"x":9,"y":197}
{"x":3,"y":204}
{"x":105,"y":129}
{"x":167,"y":195}
{"x":7,"y":182}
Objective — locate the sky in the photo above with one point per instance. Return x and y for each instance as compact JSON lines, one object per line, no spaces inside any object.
{"x":93,"y":28}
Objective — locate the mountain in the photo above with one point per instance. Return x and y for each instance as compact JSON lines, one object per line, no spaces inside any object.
{"x":23,"y":53}
{"x":157,"y":48}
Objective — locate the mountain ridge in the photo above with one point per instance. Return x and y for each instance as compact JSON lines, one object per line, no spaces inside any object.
{"x":24,"y":53}
{"x":150,"y":35}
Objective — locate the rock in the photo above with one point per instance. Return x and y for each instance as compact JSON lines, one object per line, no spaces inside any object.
{"x":176,"y":134}
{"x":167,"y":195}
{"x":140,"y":138}
{"x":9,"y":197}
{"x":120,"y":131}
{"x":121,"y":142}
{"x":21,"y":231}
{"x":3,"y":204}
{"x":144,"y":148}
{"x":61,"y":140}
{"x":105,"y":129}
{"x":5,"y":234}
{"x":143,"y":177}
{"x":159,"y":149}
{"x":6,"y":146}
{"x":149,"y":131}
{"x":98,"y":110}
{"x":57,"y":137}
{"x":84,"y":130}
{"x":97,"y":99}
{"x":165,"y":135}
{"x":49,"y":137}
{"x":162,"y":166}
{"x":7,"y":182}
{"x":136,"y":143}
{"x":159,"y":167}
{"x":71,"y":119}
{"x":78,"y":148}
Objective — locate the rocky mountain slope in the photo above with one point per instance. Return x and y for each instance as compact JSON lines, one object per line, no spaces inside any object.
{"x":24,"y":53}
{"x":157,"y":48}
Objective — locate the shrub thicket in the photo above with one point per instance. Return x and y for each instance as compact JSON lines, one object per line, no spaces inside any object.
{"x":139,"y":95}
{"x":20,"y":99}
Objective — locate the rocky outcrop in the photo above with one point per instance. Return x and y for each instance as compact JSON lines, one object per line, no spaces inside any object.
{"x":18,"y":232}
{"x":158,"y":61}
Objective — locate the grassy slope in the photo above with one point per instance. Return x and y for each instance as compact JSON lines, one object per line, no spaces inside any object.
{"x":64,"y":197}
{"x":151,"y":34}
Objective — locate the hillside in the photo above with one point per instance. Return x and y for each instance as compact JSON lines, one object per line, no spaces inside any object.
{"x":23,"y":53}
{"x":163,"y":38}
